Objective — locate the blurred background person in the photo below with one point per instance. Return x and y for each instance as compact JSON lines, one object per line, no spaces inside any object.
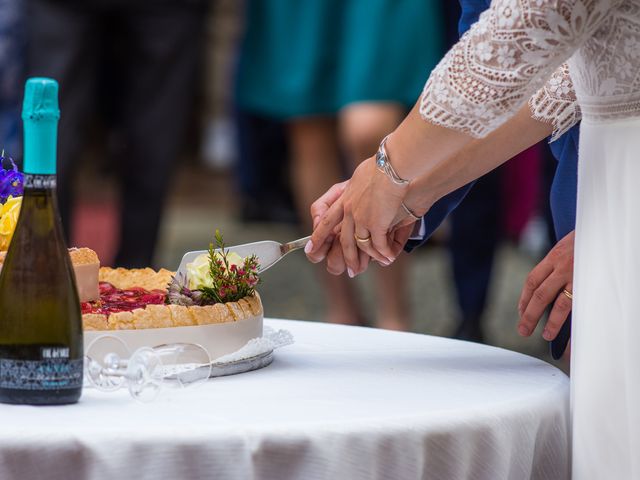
{"x":263,"y":154}
{"x":11,"y":75}
{"x":312,"y":64}
{"x":135,"y":63}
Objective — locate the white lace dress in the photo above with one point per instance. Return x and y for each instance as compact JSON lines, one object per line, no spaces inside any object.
{"x":517,"y":53}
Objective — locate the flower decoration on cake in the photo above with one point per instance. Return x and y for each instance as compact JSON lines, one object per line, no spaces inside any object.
{"x":217,"y":277}
{"x":11,"y":188}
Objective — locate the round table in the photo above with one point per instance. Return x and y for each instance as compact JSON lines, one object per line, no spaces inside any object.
{"x":341,"y":403}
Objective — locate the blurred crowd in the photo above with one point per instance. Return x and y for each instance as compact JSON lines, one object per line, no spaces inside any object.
{"x":286,"y":96}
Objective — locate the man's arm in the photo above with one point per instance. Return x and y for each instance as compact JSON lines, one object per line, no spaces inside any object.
{"x":436,"y":215}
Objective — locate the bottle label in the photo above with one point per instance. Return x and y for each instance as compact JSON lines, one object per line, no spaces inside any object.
{"x":39,"y":182}
{"x":55,"y":371}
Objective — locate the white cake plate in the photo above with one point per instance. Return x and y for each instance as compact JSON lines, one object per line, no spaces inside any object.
{"x":250,"y":355}
{"x":222,"y":369}
{"x":256,"y":354}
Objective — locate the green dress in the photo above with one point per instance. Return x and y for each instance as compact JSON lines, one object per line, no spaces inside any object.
{"x":313,"y":57}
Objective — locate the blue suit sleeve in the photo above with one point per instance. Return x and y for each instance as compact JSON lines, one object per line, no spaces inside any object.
{"x":471,"y":10}
{"x":437,"y":213}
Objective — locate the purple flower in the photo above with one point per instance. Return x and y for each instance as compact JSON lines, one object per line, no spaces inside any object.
{"x":11,"y":180}
{"x":179,"y":294}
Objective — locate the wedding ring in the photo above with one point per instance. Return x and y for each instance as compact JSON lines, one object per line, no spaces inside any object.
{"x":409,"y":212}
{"x":567,"y":293}
{"x":360,"y":239}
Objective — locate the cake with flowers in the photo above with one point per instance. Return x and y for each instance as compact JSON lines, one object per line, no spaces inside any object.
{"x":215,"y":305}
{"x":144,"y":307}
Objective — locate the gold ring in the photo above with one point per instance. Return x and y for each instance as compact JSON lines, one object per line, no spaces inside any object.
{"x":361,"y":240}
{"x":567,"y":293}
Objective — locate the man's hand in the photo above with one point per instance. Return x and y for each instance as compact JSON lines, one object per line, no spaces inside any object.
{"x":325,"y":224}
{"x":546,"y":285}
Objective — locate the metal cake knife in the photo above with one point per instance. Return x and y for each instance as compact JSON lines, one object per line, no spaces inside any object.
{"x":268,"y":252}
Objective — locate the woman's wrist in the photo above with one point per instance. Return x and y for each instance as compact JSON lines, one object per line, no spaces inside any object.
{"x":383,"y":164}
{"x":414,"y":195}
{"x":417,"y":202}
{"x":417,"y":146}
{"x":386,"y":176}
{"x":422,"y":195}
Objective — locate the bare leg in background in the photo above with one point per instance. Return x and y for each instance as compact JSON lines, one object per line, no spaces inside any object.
{"x":315,"y":167}
{"x":362,"y":126}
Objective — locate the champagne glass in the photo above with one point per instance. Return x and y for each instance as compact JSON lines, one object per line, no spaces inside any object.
{"x":104,"y":362}
{"x":148,"y":369}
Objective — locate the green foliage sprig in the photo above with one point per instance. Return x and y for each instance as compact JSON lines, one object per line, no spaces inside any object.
{"x":230,"y":282}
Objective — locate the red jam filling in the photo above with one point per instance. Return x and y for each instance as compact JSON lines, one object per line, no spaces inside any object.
{"x":113,"y":300}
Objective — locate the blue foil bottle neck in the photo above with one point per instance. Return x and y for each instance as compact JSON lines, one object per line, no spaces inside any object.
{"x":40,"y":114}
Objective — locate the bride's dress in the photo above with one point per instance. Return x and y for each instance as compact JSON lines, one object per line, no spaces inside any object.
{"x":505,"y":59}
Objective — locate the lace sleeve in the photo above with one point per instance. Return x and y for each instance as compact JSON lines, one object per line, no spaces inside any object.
{"x":504,"y":58}
{"x":556,"y":103}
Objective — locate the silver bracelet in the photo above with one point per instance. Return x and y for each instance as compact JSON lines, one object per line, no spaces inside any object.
{"x":383,"y":164}
{"x":409,"y":212}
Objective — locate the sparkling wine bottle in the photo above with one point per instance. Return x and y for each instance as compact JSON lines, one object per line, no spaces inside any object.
{"x":40,"y":319}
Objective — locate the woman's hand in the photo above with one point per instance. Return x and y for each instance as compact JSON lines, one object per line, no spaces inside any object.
{"x":369,"y":200}
{"x":370,"y":203}
{"x":546,"y":285}
{"x":325,"y":243}
{"x":324,"y":223}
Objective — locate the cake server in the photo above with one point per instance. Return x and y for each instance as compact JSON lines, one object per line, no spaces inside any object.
{"x":268,"y":252}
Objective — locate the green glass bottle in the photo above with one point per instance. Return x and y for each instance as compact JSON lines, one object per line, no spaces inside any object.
{"x":40,"y":318}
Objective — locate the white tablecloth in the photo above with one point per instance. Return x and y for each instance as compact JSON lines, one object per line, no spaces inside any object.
{"x":341,"y":403}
